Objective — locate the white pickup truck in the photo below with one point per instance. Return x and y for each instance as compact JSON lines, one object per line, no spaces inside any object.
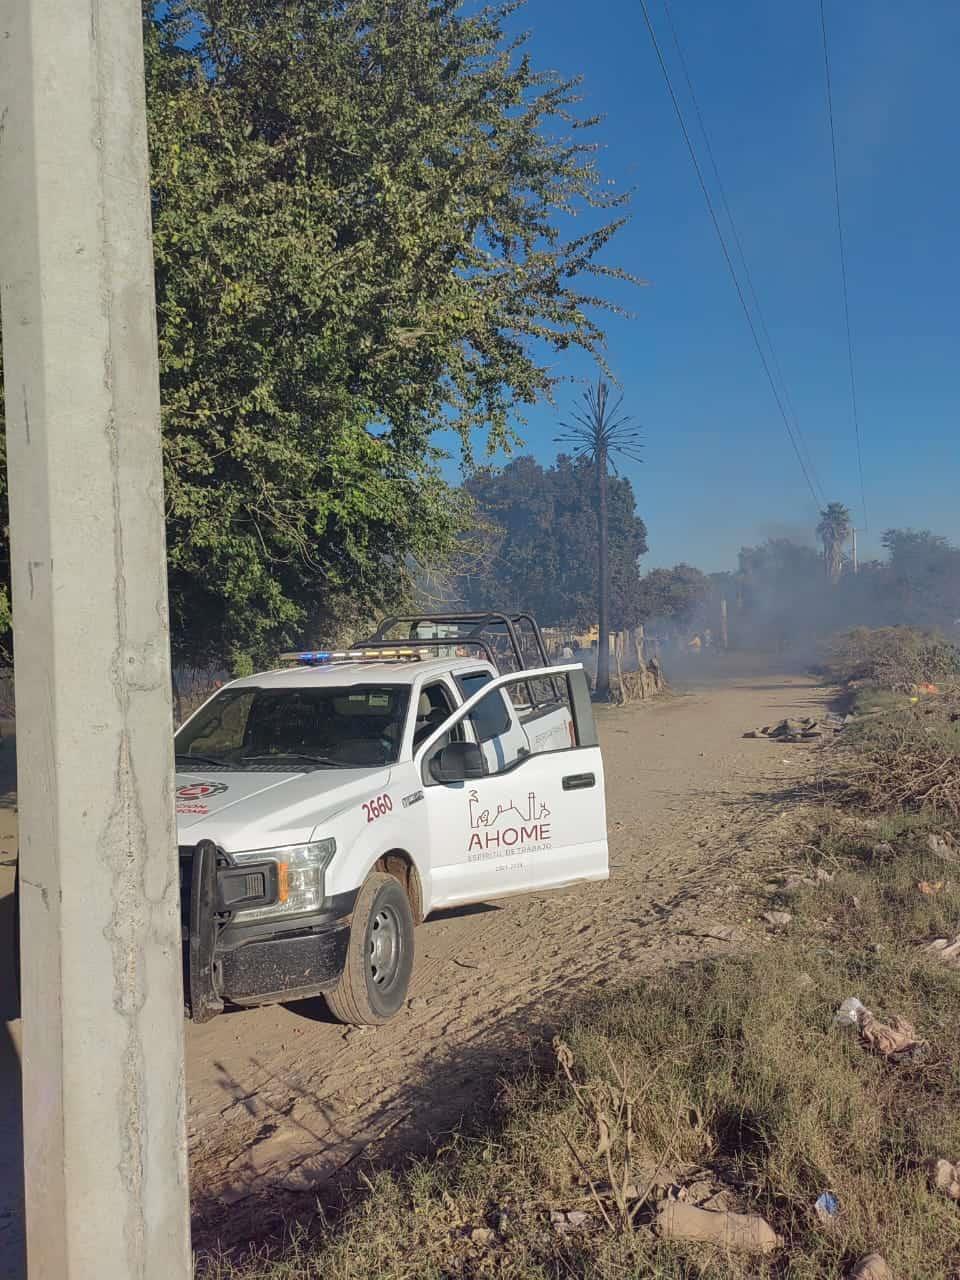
{"x":325,"y":809}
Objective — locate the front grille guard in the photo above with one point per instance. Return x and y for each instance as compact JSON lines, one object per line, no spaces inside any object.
{"x":198,"y":914}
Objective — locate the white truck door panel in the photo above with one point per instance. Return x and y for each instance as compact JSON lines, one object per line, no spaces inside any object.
{"x":537,"y":818}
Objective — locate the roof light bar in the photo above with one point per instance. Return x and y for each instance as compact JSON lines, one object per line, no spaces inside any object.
{"x":322,"y":657}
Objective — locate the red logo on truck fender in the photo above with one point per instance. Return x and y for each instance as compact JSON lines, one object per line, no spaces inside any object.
{"x":201,"y":790}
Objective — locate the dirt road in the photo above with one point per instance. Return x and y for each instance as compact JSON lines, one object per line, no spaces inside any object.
{"x":282,"y":1100}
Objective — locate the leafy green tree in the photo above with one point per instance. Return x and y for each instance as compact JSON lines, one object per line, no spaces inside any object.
{"x":599,"y":434}
{"x":833,"y":531}
{"x":357,"y":208}
{"x":542,"y":552}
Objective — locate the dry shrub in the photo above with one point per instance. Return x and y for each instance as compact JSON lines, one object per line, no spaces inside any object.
{"x":896,"y":658}
{"x":907,"y":759}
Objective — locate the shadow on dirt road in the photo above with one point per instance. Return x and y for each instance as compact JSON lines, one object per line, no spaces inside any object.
{"x":12,"y":1256}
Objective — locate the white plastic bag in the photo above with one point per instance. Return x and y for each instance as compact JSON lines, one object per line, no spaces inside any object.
{"x":848,"y":1015}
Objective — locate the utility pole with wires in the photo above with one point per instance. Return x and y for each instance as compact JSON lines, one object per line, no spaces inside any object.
{"x":844,"y":288}
{"x":102,"y":1000}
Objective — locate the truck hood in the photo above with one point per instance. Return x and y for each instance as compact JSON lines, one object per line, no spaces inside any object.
{"x":241,"y":810}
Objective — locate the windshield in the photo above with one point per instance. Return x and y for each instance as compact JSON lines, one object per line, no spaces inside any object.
{"x":296,"y":728}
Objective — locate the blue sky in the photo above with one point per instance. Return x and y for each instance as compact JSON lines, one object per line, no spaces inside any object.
{"x":719,"y":470}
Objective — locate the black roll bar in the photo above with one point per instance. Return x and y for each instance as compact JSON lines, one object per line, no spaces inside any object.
{"x":476,"y":624}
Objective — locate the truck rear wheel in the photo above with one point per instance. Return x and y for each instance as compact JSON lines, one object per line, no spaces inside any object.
{"x":376,"y":975}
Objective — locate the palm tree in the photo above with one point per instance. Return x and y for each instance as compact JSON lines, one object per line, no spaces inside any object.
{"x":833,"y":530}
{"x":600,"y":433}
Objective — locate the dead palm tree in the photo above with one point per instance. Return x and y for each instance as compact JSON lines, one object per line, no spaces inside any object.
{"x":833,"y":531}
{"x":600,"y":433}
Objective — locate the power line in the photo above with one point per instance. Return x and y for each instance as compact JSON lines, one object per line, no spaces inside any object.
{"x":740,"y":250}
{"x":843,"y":263}
{"x":726,"y":252}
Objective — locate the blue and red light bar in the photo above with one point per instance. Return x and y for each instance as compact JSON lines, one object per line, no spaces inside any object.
{"x":323,"y":657}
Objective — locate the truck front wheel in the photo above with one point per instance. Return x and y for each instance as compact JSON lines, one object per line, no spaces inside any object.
{"x":376,"y":975}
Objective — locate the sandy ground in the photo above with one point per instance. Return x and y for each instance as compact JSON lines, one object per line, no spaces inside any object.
{"x":282,"y":1101}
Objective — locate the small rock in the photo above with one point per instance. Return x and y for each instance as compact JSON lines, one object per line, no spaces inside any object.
{"x":882,"y":850}
{"x":939,"y":847}
{"x":872,"y":1267}
{"x":777,"y":918}
{"x":417,"y":1002}
{"x":946,"y":950}
{"x":793,"y":884}
{"x":725,"y":933}
{"x":483,"y":1235}
{"x":563,"y":1223}
{"x":721,"y":1201}
{"x":805,"y":982}
{"x":945,"y":1177}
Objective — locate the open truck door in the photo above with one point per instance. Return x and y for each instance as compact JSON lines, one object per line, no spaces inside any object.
{"x":517,"y":803}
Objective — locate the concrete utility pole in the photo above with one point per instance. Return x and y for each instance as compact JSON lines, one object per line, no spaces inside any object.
{"x":856,"y":562}
{"x":102,"y":1003}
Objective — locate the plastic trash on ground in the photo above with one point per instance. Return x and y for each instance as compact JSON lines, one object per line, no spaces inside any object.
{"x":848,"y":1015}
{"x":895,"y":1040}
{"x":826,"y":1206}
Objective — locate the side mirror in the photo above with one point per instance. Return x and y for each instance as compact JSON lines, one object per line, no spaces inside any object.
{"x":458,"y":762}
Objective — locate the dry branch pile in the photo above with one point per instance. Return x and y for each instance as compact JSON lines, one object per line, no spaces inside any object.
{"x":637,"y":686}
{"x":908,"y":762}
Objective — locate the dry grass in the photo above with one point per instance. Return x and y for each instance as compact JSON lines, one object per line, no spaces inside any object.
{"x":725,"y":1077}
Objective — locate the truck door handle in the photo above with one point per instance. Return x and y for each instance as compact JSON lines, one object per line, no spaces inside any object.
{"x":579,"y":781}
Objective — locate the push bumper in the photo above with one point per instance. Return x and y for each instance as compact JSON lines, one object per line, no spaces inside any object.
{"x":261,"y":972}
{"x":226,"y":963}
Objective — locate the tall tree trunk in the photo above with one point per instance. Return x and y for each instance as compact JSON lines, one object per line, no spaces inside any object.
{"x":603,"y":638}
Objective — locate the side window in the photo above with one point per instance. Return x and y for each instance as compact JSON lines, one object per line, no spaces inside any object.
{"x":510,"y":730}
{"x":433,"y":708}
{"x":490,"y":718}
{"x":473,"y":683}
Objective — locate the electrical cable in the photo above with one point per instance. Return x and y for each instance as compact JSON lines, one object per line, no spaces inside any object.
{"x":740,"y":251}
{"x":726,"y":252}
{"x":843,"y":264}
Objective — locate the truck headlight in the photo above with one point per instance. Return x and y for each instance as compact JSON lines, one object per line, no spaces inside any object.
{"x":300,"y":869}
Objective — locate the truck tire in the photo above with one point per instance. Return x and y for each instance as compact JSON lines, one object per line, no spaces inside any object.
{"x":376,"y":975}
